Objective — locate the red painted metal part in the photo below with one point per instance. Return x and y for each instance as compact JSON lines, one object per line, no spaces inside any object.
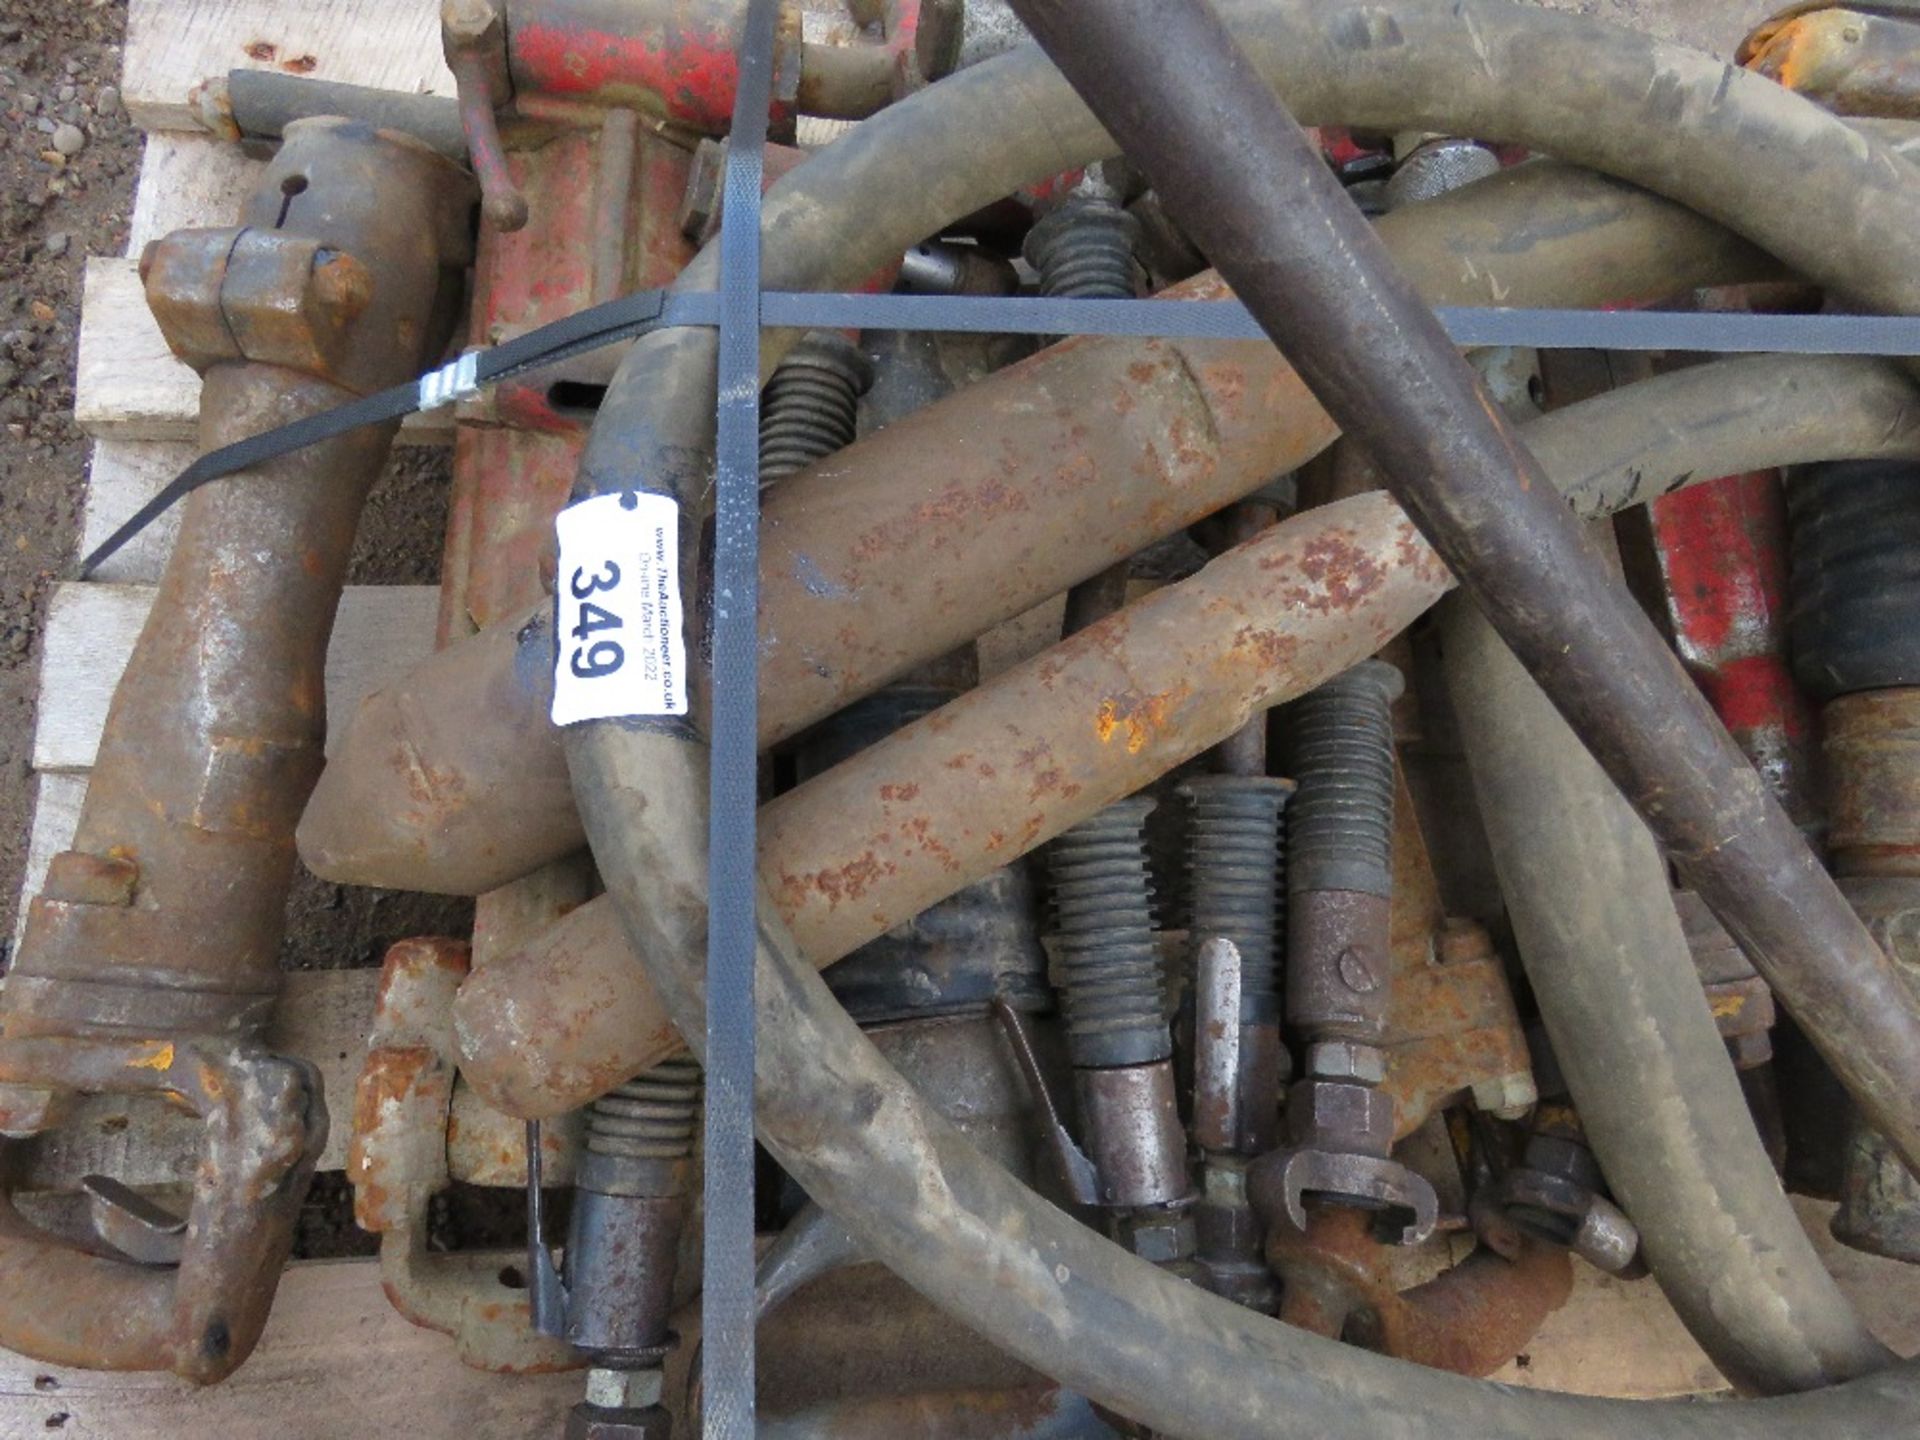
{"x":686,"y":61}
{"x":515,"y":457}
{"x":1722,"y":550}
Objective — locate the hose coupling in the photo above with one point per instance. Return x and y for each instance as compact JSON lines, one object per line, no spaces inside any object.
{"x":1556,"y":1194}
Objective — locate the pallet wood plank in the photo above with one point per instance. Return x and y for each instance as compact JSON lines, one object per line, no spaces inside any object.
{"x":381,"y":632}
{"x":173,"y":45}
{"x":56,"y":814}
{"x":127,"y":384}
{"x":336,"y":1363}
{"x":123,"y":476}
{"x":188,"y":180}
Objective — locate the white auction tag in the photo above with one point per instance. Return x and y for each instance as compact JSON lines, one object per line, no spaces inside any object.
{"x":618,"y":649}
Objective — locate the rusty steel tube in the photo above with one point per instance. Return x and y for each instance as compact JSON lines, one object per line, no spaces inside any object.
{"x":875,"y":840}
{"x":918,"y":538}
{"x":1237,"y":169}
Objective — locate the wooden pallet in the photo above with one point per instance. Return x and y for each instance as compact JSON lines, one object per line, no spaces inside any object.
{"x":336,"y":1359}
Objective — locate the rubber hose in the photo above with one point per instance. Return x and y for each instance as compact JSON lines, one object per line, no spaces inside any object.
{"x":852,"y":1131}
{"x":1592,"y":908}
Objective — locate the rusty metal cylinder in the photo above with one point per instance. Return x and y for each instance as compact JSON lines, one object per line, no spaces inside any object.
{"x":1114,"y":992}
{"x":1134,"y":1136}
{"x":1340,"y":856}
{"x":1871,"y":741}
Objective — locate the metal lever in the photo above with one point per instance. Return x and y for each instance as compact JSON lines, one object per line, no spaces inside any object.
{"x":1216,"y":1045}
{"x":132,"y":1224}
{"x":1077,"y":1176}
{"x":546,"y":1291}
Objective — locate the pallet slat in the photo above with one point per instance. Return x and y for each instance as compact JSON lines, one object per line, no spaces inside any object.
{"x":336,"y":1363}
{"x":187,"y":180}
{"x":172,"y":45}
{"x":124,"y":475}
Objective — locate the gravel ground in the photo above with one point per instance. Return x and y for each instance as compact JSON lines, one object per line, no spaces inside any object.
{"x":59,"y":73}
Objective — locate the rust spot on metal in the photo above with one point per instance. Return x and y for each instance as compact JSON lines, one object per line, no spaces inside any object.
{"x":265,"y":51}
{"x":848,"y":882}
{"x":1138,"y":720}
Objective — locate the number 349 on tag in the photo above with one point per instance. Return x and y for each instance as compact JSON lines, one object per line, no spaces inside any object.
{"x":619,"y":649}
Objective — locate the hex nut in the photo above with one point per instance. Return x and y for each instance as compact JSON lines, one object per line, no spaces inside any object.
{"x":1160,"y":1238}
{"x":611,"y":1389}
{"x":1344,"y":1116}
{"x":1346,"y":1060}
{"x":595,"y":1422}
